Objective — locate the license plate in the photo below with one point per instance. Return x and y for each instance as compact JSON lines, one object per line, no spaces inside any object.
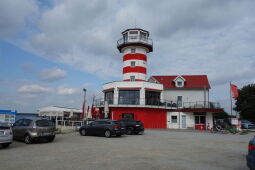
{"x":45,"y":134}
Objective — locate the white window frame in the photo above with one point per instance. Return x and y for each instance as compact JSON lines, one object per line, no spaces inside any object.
{"x":133,"y":50}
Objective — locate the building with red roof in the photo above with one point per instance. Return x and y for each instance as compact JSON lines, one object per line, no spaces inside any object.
{"x":171,"y":101}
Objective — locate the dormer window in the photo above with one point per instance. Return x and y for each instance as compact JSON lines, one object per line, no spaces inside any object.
{"x":179,"y":81}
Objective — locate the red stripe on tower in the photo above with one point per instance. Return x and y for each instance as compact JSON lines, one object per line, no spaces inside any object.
{"x":137,"y":56}
{"x":136,"y":69}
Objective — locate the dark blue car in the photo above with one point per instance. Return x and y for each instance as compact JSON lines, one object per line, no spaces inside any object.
{"x":251,"y":154}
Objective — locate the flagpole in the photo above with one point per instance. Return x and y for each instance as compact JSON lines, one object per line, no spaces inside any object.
{"x":230,"y":100}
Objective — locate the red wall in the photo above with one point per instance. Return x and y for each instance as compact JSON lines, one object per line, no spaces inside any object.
{"x":151,"y":118}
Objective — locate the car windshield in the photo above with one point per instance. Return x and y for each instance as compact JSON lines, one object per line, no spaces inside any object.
{"x":4,"y":124}
{"x":44,"y":123}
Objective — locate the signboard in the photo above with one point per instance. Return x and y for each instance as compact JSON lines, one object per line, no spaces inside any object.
{"x":234,"y":121}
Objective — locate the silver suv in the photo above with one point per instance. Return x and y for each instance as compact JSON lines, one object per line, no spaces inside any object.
{"x":5,"y":134}
{"x":30,"y":130}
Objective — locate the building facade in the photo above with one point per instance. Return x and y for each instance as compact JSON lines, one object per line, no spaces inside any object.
{"x":160,"y":101}
{"x":8,"y":116}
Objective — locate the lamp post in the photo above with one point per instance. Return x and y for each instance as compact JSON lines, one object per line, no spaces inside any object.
{"x":84,"y":104}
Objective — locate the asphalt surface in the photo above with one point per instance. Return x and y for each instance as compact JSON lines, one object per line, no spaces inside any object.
{"x":156,"y":149}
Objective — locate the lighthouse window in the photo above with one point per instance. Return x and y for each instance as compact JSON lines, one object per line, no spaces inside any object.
{"x":129,"y":97}
{"x":132,"y":50}
{"x":132,"y":78}
{"x":132,"y":64}
{"x":143,"y":36}
{"x":109,"y":96}
{"x":133,"y":32}
{"x":152,"y":98}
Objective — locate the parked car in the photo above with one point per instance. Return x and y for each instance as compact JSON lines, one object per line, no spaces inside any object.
{"x":5,"y":134}
{"x":250,"y":158}
{"x":133,"y":126}
{"x":103,"y":127}
{"x":30,"y":130}
{"x":245,"y":124}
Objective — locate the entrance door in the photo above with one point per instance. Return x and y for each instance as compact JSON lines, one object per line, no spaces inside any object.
{"x":200,"y":122}
{"x":184,"y":122}
{"x":172,"y":120}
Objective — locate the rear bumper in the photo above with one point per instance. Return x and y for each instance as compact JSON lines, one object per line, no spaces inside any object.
{"x":138,"y":130}
{"x":250,"y":160}
{"x":38,"y":138}
{"x":118,"y":132}
{"x":5,"y":139}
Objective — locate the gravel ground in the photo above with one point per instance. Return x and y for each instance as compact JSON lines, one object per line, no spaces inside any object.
{"x":156,"y":149}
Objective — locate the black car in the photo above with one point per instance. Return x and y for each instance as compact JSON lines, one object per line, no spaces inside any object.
{"x":133,"y":126}
{"x":250,"y":158}
{"x":103,"y":127}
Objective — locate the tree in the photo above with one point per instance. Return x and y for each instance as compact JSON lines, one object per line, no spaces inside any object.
{"x":245,"y":103}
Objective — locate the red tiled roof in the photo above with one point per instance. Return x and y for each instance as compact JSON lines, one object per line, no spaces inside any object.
{"x":192,"y":81}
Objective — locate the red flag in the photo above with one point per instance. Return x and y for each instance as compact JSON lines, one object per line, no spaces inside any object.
{"x":234,"y":91}
{"x":83,"y":112}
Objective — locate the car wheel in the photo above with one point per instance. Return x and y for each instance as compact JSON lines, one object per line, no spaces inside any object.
{"x":83,"y":132}
{"x":51,"y":139}
{"x":27,"y":139}
{"x":5,"y":145}
{"x":130,"y":131}
{"x":107,"y":133}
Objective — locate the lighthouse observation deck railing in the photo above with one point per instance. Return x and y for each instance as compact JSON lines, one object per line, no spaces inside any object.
{"x":163,"y":104}
{"x":135,"y":39}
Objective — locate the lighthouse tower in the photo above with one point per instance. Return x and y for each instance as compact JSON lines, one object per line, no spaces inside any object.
{"x":135,"y":44}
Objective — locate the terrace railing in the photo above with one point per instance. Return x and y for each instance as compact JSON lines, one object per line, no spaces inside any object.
{"x":135,"y":39}
{"x":162,"y":103}
{"x":201,"y":104}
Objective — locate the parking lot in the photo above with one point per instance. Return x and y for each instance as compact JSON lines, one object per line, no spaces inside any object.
{"x":156,"y":149}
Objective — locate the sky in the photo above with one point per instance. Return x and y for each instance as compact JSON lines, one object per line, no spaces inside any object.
{"x":51,"y":50}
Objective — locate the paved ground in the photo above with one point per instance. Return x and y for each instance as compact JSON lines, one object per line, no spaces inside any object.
{"x":156,"y":149}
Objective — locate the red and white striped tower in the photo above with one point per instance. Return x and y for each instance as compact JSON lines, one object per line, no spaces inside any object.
{"x":135,"y":44}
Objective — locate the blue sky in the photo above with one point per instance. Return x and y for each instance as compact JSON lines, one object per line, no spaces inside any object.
{"x":50,"y":50}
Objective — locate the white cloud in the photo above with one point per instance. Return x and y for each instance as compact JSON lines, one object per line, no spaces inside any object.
{"x":34,"y":89}
{"x":14,"y":14}
{"x":63,"y":90}
{"x":52,"y":74}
